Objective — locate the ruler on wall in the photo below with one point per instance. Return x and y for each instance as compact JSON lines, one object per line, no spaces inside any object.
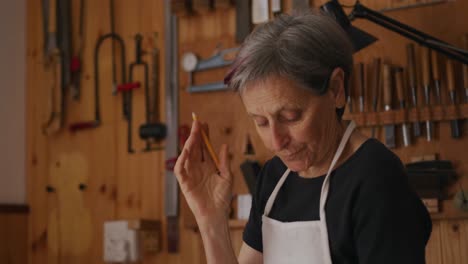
{"x":171,"y":203}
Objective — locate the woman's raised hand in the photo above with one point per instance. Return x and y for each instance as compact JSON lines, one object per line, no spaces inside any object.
{"x":207,"y":189}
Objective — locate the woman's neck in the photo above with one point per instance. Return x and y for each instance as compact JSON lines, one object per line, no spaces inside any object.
{"x":321,"y":166}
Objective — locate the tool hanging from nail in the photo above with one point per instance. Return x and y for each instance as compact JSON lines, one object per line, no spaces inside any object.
{"x":435,"y":75}
{"x":376,"y":83}
{"x":351,"y":88}
{"x":64,"y":34}
{"x":361,"y":85}
{"x":453,"y":97}
{"x":387,"y":98}
{"x":402,"y":101}
{"x":465,"y":70}
{"x":129,"y":98}
{"x":411,"y":65}
{"x":153,"y":130}
{"x":243,"y":20}
{"x":97,"y":111}
{"x":426,"y":76}
{"x":171,"y":189}
{"x":53,"y":59}
{"x":76,"y":60}
{"x":191,"y":65}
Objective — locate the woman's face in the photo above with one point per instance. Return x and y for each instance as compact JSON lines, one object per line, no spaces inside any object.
{"x":297,"y":125}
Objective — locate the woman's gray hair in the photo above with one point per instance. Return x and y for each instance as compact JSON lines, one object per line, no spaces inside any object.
{"x":304,"y":48}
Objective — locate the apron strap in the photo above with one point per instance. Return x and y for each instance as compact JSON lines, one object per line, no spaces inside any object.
{"x":324,"y":194}
{"x":325,"y":185}
{"x":272,"y":198}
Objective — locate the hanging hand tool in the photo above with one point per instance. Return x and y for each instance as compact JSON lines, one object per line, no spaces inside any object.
{"x":361,"y":85}
{"x":53,"y":58}
{"x":349,"y":99}
{"x":76,"y":65}
{"x":376,"y":82}
{"x":435,"y":75}
{"x":465,"y":70}
{"x":387,"y":98}
{"x":171,"y":202}
{"x":153,"y":129}
{"x":411,"y":65}
{"x":45,"y":27}
{"x":55,"y":120}
{"x":97,"y":113}
{"x":64,"y":37}
{"x":115,"y":85}
{"x":191,"y":65}
{"x":138,"y":62}
{"x":243,"y":20}
{"x":401,"y":99}
{"x":426,"y":76}
{"x":453,"y":97}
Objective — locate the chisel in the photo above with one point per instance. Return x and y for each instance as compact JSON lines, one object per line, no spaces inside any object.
{"x":243,"y":20}
{"x":435,"y":75}
{"x":360,"y":84}
{"x":412,"y":83}
{"x":451,"y":88}
{"x":465,"y":70}
{"x":401,"y":99}
{"x":376,"y":87}
{"x":425,"y":56}
{"x":349,"y":99}
{"x":387,"y":97}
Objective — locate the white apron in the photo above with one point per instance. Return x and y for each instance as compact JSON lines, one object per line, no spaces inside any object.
{"x":303,"y":241}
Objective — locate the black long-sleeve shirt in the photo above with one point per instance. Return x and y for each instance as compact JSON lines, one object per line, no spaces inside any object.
{"x":373,"y":216}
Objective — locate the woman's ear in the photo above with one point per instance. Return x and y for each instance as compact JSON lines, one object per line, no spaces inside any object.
{"x":337,"y":80}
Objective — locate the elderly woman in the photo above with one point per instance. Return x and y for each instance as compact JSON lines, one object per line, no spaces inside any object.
{"x":330,"y":194}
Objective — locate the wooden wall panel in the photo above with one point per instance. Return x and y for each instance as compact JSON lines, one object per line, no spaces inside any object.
{"x":13,"y":234}
{"x":123,"y":186}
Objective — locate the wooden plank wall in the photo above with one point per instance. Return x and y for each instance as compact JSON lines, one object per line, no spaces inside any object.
{"x":13,"y":233}
{"x":66,"y":225}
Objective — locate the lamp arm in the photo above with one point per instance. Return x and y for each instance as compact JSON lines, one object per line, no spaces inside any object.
{"x":420,"y":37}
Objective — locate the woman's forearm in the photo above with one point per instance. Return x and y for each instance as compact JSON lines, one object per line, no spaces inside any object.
{"x":217,"y":241}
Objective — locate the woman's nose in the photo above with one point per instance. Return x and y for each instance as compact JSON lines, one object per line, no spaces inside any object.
{"x":279,"y":138}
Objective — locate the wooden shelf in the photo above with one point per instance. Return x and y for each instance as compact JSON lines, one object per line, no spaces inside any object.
{"x":436,"y":113}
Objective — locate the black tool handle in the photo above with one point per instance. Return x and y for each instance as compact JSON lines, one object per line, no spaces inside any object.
{"x":138,"y":49}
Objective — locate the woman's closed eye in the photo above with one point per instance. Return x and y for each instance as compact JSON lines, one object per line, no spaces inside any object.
{"x":289,"y":116}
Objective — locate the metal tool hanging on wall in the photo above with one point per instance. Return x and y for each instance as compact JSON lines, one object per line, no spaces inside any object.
{"x":76,"y":60}
{"x":191,"y":64}
{"x":153,"y":130}
{"x":53,"y":59}
{"x":129,"y":98}
{"x":97,"y":110}
{"x":401,"y":95}
{"x":387,"y":100}
{"x":171,"y":191}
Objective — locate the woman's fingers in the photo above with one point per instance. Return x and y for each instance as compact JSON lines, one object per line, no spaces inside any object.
{"x":193,"y":143}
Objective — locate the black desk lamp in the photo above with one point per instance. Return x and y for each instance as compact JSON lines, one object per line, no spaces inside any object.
{"x":362,"y":39}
